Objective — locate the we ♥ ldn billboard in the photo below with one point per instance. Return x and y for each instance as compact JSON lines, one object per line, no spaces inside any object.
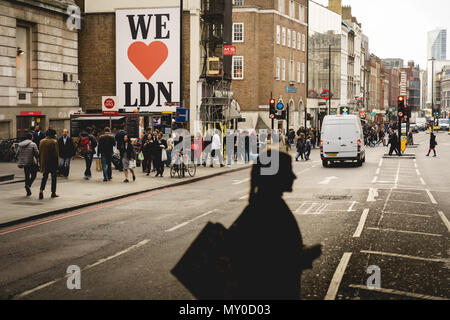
{"x":148,"y":59}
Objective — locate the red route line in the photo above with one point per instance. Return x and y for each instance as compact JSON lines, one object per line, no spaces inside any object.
{"x":84,"y":211}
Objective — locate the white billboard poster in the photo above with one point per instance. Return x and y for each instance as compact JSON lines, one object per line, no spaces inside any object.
{"x":148,"y":59}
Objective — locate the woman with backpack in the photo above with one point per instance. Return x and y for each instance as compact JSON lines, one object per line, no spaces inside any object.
{"x":128,"y":158}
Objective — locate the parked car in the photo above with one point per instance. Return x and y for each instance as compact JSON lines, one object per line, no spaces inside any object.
{"x":342,"y":139}
{"x":443,"y":124}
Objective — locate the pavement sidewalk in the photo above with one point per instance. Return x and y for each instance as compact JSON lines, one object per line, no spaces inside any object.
{"x":76,"y":193}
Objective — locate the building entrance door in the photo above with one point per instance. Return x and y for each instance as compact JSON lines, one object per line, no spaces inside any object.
{"x":27,"y":123}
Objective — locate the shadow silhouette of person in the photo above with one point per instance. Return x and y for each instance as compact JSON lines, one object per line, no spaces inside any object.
{"x":268,"y":252}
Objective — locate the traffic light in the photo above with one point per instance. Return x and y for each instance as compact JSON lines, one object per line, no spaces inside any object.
{"x":403,"y":109}
{"x":308,"y":117}
{"x":272,"y":110}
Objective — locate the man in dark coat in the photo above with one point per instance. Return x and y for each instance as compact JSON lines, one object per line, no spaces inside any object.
{"x":105,"y":151}
{"x":119,"y":143}
{"x":49,"y":161}
{"x":38,"y":135}
{"x":393,"y":141}
{"x":66,"y":152}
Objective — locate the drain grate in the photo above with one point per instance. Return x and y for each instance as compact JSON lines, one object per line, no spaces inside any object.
{"x":27,"y":203}
{"x":334,"y":197}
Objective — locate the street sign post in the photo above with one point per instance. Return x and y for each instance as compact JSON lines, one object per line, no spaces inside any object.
{"x":229,"y":50}
{"x":325,"y":94}
{"x":110,"y":107}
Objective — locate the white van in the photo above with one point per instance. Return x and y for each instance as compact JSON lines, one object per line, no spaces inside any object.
{"x":342,"y":139}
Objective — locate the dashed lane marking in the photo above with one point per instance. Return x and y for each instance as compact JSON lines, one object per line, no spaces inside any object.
{"x":375,"y":179}
{"x":373,"y":193}
{"x":445,"y":220}
{"x":398,"y":292}
{"x":404,"y":231}
{"x":423,"y":181}
{"x":406,"y":201}
{"x":242,"y":181}
{"x":350,"y":209}
{"x":337,"y":277}
{"x":409,"y":214}
{"x":362,"y":221}
{"x":192,"y":220}
{"x":28,"y":292}
{"x":378,"y":171}
{"x":433,"y":200}
{"x":403,"y":256}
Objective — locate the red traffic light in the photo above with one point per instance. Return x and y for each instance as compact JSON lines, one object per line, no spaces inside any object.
{"x":272,"y":101}
{"x":401,"y":99}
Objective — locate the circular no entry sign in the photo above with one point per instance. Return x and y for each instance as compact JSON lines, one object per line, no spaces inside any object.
{"x":325,"y":94}
{"x":109,"y":103}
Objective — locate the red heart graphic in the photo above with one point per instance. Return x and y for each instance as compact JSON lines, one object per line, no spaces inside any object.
{"x":148,"y":59}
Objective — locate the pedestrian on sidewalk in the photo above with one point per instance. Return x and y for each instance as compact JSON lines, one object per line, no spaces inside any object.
{"x":105,"y":151}
{"x":433,"y":144}
{"x":49,"y":161}
{"x":216,"y":149}
{"x":147,"y":151}
{"x":88,"y":145}
{"x":393,"y":141}
{"x":170,"y":148}
{"x":38,"y":135}
{"x":119,"y":137}
{"x":128,"y":158}
{"x":161,"y":155}
{"x":66,"y":152}
{"x":207,"y":149}
{"x":301,"y":146}
{"x":28,"y":157}
{"x":308,"y":145}
{"x":267,"y":250}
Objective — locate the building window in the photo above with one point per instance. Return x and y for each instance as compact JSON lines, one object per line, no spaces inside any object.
{"x":278,"y":34}
{"x":303,"y":42}
{"x":289,"y":38}
{"x":291,"y":71}
{"x":238,"y":2}
{"x":283,"y":36}
{"x":281,"y":6}
{"x":299,"y":39}
{"x":23,"y":60}
{"x":238,"y":67}
{"x":303,"y":72}
{"x":238,"y":32}
{"x":278,"y":69}
{"x":298,"y":72}
{"x":294,"y":40}
{"x":301,"y":13}
{"x":291,"y":8}
{"x":283,"y":69}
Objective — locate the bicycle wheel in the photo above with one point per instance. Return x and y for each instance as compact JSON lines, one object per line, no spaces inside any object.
{"x":181,"y":169}
{"x":173,"y":171}
{"x":191,"y":169}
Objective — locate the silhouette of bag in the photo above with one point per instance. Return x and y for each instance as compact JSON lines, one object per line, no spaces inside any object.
{"x":98,"y":164}
{"x":205,"y":268}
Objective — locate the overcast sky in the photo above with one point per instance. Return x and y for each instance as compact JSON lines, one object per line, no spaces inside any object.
{"x":394,"y":37}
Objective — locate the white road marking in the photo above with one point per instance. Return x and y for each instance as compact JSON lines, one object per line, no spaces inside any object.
{"x":28,"y":292}
{"x":404,"y":231}
{"x":378,"y":171}
{"x":406,"y":201}
{"x":327,"y":180}
{"x":373,"y":193}
{"x":403,"y":256}
{"x":375,"y":179}
{"x":418,"y":172}
{"x":381,"y":162}
{"x":433,"y":201}
{"x":445,"y":220}
{"x":300,"y":207}
{"x":242,"y":181}
{"x":397,"y":176}
{"x":409,"y":214}
{"x":350,"y":209}
{"x":321,"y":210}
{"x":309,"y":209}
{"x":192,"y":220}
{"x":405,"y":192}
{"x":244,"y":197}
{"x":398,"y":293}
{"x":337,"y":277}
{"x":362,"y":221}
{"x":422,"y":181}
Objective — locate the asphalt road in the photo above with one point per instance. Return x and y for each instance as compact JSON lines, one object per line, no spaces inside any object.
{"x":392,"y":214}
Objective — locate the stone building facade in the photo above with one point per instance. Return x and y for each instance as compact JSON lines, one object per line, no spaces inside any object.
{"x":38,"y":66}
{"x":271,"y":41}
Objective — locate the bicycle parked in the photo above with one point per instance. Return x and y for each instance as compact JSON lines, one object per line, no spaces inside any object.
{"x":8,"y":150}
{"x":182,"y":164}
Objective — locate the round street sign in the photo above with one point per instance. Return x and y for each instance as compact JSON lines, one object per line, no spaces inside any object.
{"x":272,"y":116}
{"x":325,"y":94}
{"x":109,"y":103}
{"x":400,"y":114}
{"x":280,"y":106}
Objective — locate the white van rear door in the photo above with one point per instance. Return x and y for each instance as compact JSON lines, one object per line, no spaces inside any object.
{"x":340,"y":139}
{"x":349,"y":140}
{"x":330,"y":140}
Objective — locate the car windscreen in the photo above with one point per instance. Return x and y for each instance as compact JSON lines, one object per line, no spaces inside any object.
{"x":443,"y":121}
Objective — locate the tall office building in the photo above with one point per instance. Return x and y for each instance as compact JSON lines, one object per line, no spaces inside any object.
{"x":437,"y":44}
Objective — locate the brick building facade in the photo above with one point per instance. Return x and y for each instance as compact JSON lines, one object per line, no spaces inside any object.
{"x":271,"y":41}
{"x":38,"y":66}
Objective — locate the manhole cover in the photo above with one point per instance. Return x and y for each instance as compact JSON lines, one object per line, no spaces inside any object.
{"x":334,"y":198}
{"x":27,"y":203}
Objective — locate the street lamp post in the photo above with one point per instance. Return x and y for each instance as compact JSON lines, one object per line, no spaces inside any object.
{"x":432,"y":93}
